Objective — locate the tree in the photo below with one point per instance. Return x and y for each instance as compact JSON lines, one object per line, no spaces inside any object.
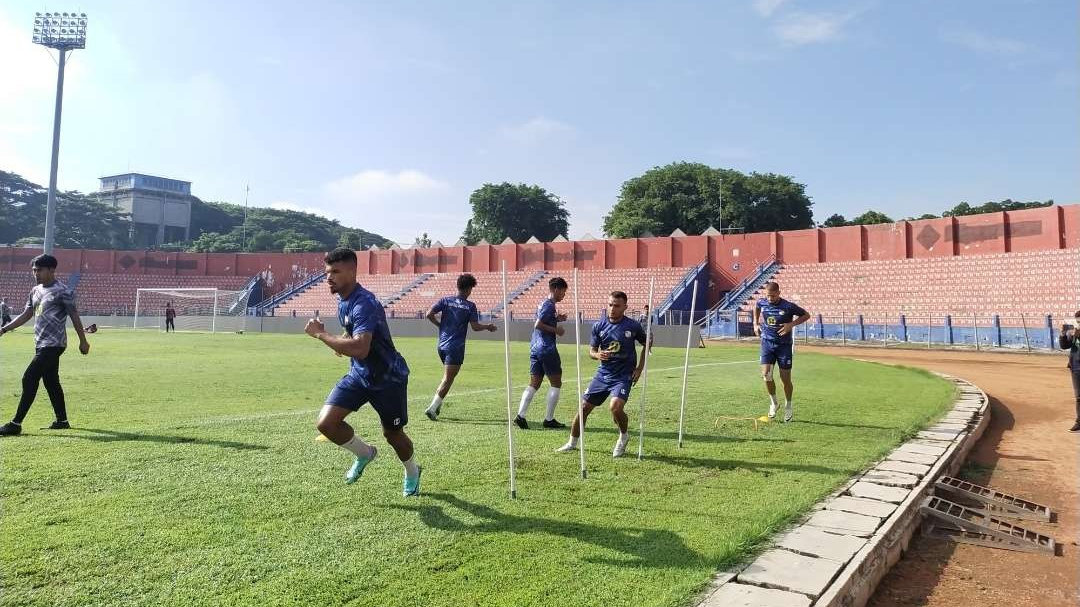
{"x":516,"y":211}
{"x":693,"y":196}
{"x":994,"y":207}
{"x":835,"y":221}
{"x":81,"y":221}
{"x":424,"y":242}
{"x":871,"y":217}
{"x":351,"y":239}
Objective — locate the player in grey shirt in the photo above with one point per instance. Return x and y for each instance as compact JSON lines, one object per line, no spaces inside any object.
{"x":54,"y":304}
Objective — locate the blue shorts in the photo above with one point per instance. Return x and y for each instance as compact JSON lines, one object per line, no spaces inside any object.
{"x":776,"y":353}
{"x":602,"y":387}
{"x":454,"y":355}
{"x":390,"y":402}
{"x":545,"y":364}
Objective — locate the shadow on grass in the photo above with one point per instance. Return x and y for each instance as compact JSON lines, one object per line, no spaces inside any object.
{"x":837,"y":425}
{"x":109,"y":436}
{"x":690,"y":438}
{"x":642,"y":547}
{"x":731,"y":464}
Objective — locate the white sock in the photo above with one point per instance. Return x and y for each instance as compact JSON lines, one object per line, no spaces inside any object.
{"x":357,"y":447}
{"x":772,"y":399}
{"x":624,"y":437}
{"x":573,"y":441}
{"x":436,"y":402}
{"x":552,"y":401}
{"x":526,"y":399}
{"x":411,"y":469}
{"x":788,"y":403}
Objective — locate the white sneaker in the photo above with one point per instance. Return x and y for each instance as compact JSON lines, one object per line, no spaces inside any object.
{"x":620,"y":447}
{"x":789,"y":414}
{"x":567,"y":448}
{"x":772,"y":410}
{"x":432,"y":413}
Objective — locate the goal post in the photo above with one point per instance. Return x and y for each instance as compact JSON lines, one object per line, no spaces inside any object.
{"x":197,"y":309}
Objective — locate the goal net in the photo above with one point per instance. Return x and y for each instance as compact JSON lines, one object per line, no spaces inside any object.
{"x":212,"y":310}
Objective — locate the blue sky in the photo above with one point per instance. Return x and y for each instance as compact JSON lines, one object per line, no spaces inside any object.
{"x":386,"y":115}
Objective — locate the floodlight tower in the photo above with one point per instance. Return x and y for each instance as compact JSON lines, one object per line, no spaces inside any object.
{"x":63,"y":32}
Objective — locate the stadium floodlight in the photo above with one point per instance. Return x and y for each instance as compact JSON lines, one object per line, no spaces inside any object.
{"x":64,"y":32}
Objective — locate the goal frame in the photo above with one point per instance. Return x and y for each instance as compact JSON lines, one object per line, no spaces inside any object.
{"x":206,"y":290}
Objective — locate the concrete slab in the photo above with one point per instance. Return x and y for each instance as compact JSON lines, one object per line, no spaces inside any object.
{"x":890,"y":478}
{"x":944,"y":444}
{"x":845,"y":522}
{"x":914,"y":458}
{"x":921,"y":448}
{"x":938,"y":435}
{"x":743,"y":595}
{"x":786,"y":570}
{"x":878,"y":492}
{"x":945,"y":426}
{"x":919,"y":470}
{"x":810,"y":541}
{"x":858,"y":505}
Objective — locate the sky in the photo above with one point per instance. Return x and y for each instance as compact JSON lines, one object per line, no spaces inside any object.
{"x":387,"y":115}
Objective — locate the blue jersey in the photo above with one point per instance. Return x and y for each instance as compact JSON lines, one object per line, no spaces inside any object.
{"x":362,"y":312}
{"x":618,"y":338}
{"x":457,"y":313}
{"x":774,"y":315}
{"x":543,"y":342}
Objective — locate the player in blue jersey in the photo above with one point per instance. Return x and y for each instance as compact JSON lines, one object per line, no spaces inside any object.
{"x":544,"y":356}
{"x":613,"y":343}
{"x":453,"y":315}
{"x":775,"y":319}
{"x":377,"y":372}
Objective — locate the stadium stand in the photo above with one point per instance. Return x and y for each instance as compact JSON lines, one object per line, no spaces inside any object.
{"x":596,"y":285}
{"x":1035,"y":282}
{"x":318,"y":298}
{"x":487,"y":295}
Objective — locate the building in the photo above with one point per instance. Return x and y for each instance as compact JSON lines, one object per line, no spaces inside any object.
{"x":160,"y":208}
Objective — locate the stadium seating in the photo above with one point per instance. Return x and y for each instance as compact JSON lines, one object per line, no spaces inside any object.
{"x":596,"y":285}
{"x":318,"y":298}
{"x":487,"y":295}
{"x":1009,"y":284}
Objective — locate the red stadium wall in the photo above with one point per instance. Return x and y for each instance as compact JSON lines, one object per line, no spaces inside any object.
{"x":730,"y":258}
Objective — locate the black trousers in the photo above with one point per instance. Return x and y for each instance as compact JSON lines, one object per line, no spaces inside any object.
{"x":44,"y":367}
{"x":1076,"y":391}
{"x":169,"y":323}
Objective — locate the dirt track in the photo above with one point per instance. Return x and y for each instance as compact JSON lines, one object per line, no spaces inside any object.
{"x":1026,"y":451}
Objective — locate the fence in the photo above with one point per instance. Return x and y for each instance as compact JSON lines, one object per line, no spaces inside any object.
{"x":979,"y":331}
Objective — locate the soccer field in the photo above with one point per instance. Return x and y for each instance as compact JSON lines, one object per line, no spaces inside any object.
{"x":192,"y":477}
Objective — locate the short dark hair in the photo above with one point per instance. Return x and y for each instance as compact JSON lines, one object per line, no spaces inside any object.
{"x":339,"y":255}
{"x":1078,"y":314}
{"x":772,"y":285}
{"x":466,"y":281}
{"x":619,"y":295}
{"x":557,"y":283}
{"x":43,"y":261}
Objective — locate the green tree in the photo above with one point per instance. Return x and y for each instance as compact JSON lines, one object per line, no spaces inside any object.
{"x":518,"y":211}
{"x":424,"y":241}
{"x":81,"y":221}
{"x":871,"y":217}
{"x":212,"y":242}
{"x":835,"y":221}
{"x":351,"y":239}
{"x":693,"y":196}
{"x":994,"y":207}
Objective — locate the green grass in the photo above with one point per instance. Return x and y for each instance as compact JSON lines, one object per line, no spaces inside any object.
{"x":193,"y":478}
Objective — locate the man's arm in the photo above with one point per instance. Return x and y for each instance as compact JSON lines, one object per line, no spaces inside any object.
{"x":789,"y":327}
{"x":636,"y":375}
{"x":431,"y":316}
{"x":1067,"y":337}
{"x":18,"y":321}
{"x":756,"y":319}
{"x":556,"y":330}
{"x":353,"y":346}
{"x":76,"y":321}
{"x":477,"y":326}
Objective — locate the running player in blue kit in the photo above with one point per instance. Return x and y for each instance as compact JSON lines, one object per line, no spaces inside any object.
{"x":775,"y":319}
{"x":544,"y":356}
{"x":455,"y":314}
{"x":613,"y":343}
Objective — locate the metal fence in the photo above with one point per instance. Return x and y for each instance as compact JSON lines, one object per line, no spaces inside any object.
{"x":978,"y":331}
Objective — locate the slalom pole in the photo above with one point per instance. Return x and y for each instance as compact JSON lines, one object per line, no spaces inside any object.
{"x":509,"y":396}
{"x":686,"y":361}
{"x":577,"y":363}
{"x":645,"y":373}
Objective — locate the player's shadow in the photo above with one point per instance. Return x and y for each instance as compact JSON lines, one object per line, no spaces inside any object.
{"x":763,"y":468}
{"x":109,"y":436}
{"x":472,"y":422}
{"x":641,"y":547}
{"x":838,"y":425}
{"x":688,"y":438}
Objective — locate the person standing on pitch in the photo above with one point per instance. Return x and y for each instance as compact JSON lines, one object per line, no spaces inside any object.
{"x":612,"y":344}
{"x":1070,"y":340}
{"x":775,"y":319}
{"x":5,"y":312}
{"x":170,"y":317}
{"x":54,"y":304}
{"x":456,"y":314}
{"x":544,"y":356}
{"x":377,"y":372}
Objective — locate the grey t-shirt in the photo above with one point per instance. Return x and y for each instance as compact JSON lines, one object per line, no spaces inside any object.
{"x":52,"y":304}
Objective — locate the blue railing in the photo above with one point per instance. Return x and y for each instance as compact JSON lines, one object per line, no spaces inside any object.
{"x":693,"y":274}
{"x":276,"y":300}
{"x":750,"y":284}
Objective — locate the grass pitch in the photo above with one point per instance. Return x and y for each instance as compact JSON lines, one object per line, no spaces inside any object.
{"x":192,"y":477}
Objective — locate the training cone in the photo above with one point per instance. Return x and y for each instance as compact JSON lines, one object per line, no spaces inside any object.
{"x":764,"y":418}
{"x":321,"y":439}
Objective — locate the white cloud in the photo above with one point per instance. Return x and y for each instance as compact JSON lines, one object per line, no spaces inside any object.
{"x":766,"y":8}
{"x":983,"y":43}
{"x":285,"y":205}
{"x":808,"y":28}
{"x":376,"y":186}
{"x":399,"y":205}
{"x":537,"y":130}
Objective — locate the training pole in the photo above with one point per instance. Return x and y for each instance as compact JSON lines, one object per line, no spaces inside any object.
{"x":645,"y":374}
{"x":509,"y":396}
{"x":686,"y":362}
{"x":577,"y":364}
